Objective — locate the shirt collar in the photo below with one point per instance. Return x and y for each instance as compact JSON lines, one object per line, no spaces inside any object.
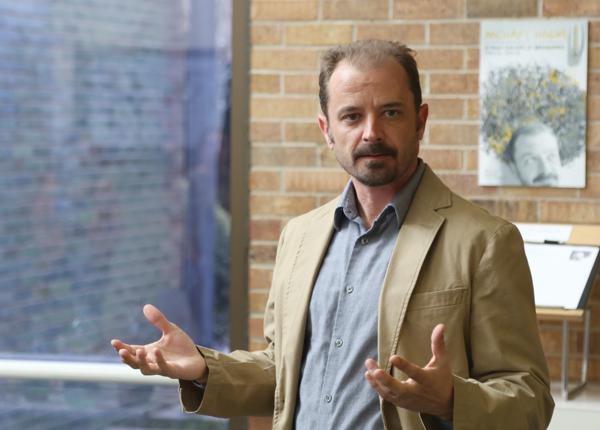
{"x":347,"y":208}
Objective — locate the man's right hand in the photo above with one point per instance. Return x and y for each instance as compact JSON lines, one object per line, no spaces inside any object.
{"x":173,"y":355}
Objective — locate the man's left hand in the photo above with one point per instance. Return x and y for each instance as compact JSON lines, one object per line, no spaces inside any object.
{"x":428,"y":390}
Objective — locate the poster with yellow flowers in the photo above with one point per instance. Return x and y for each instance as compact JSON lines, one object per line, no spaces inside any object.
{"x":533,"y":83}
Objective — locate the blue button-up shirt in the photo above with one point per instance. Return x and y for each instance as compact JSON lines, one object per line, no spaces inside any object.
{"x":341,"y":329}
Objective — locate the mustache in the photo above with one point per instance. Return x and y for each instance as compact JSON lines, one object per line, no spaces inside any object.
{"x":545,"y":178}
{"x":377,"y":148}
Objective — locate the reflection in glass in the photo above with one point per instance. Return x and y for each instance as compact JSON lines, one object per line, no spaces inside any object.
{"x":114,"y":164}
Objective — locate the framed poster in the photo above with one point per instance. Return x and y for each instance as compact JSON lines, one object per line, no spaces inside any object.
{"x":533,"y":82}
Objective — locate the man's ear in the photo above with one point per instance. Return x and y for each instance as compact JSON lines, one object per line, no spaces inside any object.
{"x":324,"y":126}
{"x":422,"y":119}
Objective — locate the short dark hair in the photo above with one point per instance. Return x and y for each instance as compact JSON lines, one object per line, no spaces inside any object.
{"x":369,"y":52}
{"x":524,"y":130}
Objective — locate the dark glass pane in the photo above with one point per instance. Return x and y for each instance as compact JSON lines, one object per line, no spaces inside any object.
{"x":114,"y":166}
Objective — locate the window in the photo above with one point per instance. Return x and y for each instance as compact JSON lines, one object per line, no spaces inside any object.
{"x":114,"y":192}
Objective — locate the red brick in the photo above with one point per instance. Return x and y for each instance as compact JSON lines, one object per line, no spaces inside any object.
{"x":423,"y":9}
{"x":409,"y":34}
{"x":454,"y":34}
{"x":327,"y":157}
{"x":301,"y":84}
{"x":471,"y":160}
{"x":284,"y":59}
{"x":465,"y":185}
{"x":472,"y":108}
{"x":280,"y":205}
{"x":594,"y":29}
{"x":265,"y":229}
{"x":281,"y":10}
{"x":512,"y":210}
{"x":592,"y":188}
{"x":265,"y":34}
{"x":265,"y":84}
{"x":264,"y":180}
{"x":593,"y":108}
{"x":593,"y":135}
{"x":355,"y":9}
{"x":453,"y":83}
{"x":504,"y":8}
{"x":446,"y":108}
{"x":315,"y":181}
{"x":473,"y":58}
{"x":262,"y":253}
{"x":257,"y":301}
{"x":434,"y":59}
{"x":303,"y":132}
{"x":273,"y":156}
{"x":593,"y":161}
{"x":453,"y":134}
{"x":255,"y":327}
{"x":265,"y":131}
{"x":267,"y":107}
{"x":259,"y":278}
{"x":442,"y":159}
{"x":571,"y":8}
{"x":570,"y":212}
{"x":318,"y":34}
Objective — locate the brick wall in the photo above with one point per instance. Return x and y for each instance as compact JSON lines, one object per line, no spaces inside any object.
{"x":292,"y":171}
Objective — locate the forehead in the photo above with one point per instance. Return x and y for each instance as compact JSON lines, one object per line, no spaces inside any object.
{"x":387,"y":79}
{"x":535,"y":143}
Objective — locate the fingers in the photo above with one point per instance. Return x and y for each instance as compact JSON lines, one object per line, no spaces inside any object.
{"x":140,"y":360}
{"x":147,"y":367}
{"x":157,"y":318}
{"x":388,"y":387}
{"x":371,"y":364}
{"x":409,"y":369}
{"x":438,"y":346}
{"x":118,"y":345}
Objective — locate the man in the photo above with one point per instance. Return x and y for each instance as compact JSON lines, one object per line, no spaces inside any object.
{"x":534,"y":155}
{"x":430,"y":293}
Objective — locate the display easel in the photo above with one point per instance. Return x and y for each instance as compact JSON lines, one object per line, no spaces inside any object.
{"x":578,"y":235}
{"x":567,"y":316}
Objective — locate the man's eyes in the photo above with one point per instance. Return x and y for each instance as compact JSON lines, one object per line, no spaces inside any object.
{"x":388,"y":113}
{"x":351,"y":117}
{"x":391,"y":113}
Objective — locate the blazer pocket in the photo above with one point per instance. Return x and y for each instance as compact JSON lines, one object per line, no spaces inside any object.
{"x":438,"y":299}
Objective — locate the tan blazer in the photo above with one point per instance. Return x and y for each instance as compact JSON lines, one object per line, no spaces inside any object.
{"x":453,"y":263}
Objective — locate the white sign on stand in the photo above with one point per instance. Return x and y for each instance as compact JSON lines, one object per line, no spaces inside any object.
{"x":562,"y":274}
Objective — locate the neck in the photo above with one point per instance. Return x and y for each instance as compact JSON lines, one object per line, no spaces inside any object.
{"x":372,"y":200}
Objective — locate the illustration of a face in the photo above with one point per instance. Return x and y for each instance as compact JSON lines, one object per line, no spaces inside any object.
{"x":537,"y":159}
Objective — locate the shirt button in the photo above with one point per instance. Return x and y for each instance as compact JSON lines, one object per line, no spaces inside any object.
{"x":328,"y":398}
{"x":339,"y":342}
{"x":364,"y":241}
{"x":349,"y":289}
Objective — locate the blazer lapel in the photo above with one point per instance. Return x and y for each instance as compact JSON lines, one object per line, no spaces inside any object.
{"x":311,"y":251}
{"x":415,"y":237}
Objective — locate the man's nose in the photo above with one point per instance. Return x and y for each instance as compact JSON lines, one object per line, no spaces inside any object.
{"x":544,"y":165}
{"x":371,"y":130}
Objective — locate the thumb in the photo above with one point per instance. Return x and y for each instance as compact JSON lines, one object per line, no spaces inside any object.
{"x":157,"y":318}
{"x":438,"y":346}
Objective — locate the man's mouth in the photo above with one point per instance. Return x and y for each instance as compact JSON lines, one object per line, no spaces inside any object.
{"x":376,"y":150}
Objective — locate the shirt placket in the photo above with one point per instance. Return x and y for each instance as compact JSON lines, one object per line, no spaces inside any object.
{"x":339,"y":338}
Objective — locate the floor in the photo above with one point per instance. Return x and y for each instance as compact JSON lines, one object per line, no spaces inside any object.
{"x":579,"y":413}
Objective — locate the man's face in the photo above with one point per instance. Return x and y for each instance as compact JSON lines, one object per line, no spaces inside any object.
{"x":373,"y":127}
{"x":537,"y":159}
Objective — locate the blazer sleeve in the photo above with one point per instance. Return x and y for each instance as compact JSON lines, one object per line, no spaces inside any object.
{"x":508,"y":385}
{"x":242,"y":382}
